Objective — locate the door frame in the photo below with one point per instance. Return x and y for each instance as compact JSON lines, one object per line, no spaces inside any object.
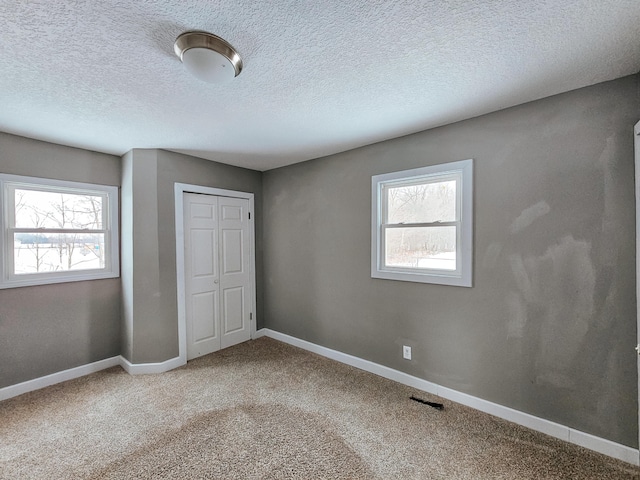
{"x":636,"y":147}
{"x":179,"y":190}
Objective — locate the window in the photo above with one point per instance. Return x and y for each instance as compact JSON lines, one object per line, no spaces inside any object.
{"x":422,"y":224}
{"x":55,"y":231}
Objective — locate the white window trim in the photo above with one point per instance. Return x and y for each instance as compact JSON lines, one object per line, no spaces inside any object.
{"x":112,"y":244}
{"x":463,"y":276}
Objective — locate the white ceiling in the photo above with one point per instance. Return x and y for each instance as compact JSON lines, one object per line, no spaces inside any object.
{"x":319,"y":77}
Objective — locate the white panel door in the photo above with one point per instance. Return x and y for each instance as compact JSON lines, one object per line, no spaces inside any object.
{"x":202,"y":282}
{"x":235,"y":279}
{"x":217,"y":272}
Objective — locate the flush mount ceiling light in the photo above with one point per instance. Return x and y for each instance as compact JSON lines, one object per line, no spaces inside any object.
{"x":208,"y":57}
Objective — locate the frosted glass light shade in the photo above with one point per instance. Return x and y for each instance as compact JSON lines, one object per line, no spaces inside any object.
{"x":208,"y":65}
{"x":207,"y":56}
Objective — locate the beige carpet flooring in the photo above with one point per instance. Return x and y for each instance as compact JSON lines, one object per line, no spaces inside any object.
{"x":266,"y":410}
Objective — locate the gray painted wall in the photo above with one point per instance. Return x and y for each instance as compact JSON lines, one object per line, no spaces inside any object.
{"x":175,"y":167}
{"x":141,"y":315}
{"x":126,"y":255}
{"x":47,"y":329}
{"x":150,"y":332}
{"x":549,"y":326}
{"x":50,"y":328}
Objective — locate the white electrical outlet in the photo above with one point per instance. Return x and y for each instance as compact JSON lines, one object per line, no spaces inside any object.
{"x":406,"y":352}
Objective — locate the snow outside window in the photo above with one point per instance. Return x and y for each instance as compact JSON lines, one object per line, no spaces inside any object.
{"x":422,"y":224}
{"x":57,"y":231}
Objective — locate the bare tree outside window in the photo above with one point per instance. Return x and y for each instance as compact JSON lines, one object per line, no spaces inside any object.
{"x":62,"y":231}
{"x":56,"y":231}
{"x":422,"y":224}
{"x":422,"y":243}
{"x":31,"y":244}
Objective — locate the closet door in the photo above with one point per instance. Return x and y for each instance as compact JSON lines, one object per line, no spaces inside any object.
{"x":202,"y":281}
{"x":217,"y":272}
{"x":235,"y":274}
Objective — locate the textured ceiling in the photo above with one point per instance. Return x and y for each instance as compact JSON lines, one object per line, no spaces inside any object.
{"x":319,"y":76}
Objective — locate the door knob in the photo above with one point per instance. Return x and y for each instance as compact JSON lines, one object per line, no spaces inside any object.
{"x":215,"y":281}
{"x":638,"y":348}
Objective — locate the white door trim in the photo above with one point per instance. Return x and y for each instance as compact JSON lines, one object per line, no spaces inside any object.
{"x":179,"y":190}
{"x":636,"y":145}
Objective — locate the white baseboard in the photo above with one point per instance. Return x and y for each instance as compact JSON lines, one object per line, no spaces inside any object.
{"x":597,"y":444}
{"x":58,"y":377}
{"x":151,"y":368}
{"x":562,"y":432}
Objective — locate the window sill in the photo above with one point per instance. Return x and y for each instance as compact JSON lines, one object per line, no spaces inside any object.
{"x":80,"y":277}
{"x":437,"y":279}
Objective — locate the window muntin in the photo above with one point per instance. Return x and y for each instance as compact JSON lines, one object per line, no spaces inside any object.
{"x":421,"y":224}
{"x":57,"y":231}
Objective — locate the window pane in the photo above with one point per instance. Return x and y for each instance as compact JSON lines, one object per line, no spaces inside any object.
{"x":421,"y":247}
{"x":37,"y":209}
{"x":423,"y":203}
{"x":57,"y":252}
